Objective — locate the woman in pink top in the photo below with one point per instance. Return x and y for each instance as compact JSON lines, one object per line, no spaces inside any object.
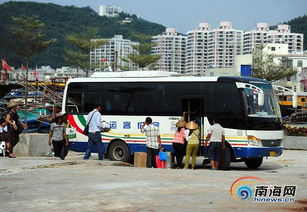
{"x":178,"y":143}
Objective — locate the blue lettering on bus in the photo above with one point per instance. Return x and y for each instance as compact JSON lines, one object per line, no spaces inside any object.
{"x":113,"y":124}
{"x":127,"y":125}
{"x":140,"y":124}
{"x":157,"y":124}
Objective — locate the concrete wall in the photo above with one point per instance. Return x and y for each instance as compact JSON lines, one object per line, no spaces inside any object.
{"x":221,"y":72}
{"x":37,"y":144}
{"x":295,"y":142}
{"x":32,"y":145}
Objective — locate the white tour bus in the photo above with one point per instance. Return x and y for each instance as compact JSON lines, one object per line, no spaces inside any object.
{"x":246,"y":107}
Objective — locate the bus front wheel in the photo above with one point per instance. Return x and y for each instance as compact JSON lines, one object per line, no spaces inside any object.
{"x":119,"y":151}
{"x":253,"y":163}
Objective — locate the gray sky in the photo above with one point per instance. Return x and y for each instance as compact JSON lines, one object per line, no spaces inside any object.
{"x":185,"y":15}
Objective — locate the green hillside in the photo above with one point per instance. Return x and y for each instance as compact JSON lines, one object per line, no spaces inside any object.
{"x":62,"y":20}
{"x":299,"y":25}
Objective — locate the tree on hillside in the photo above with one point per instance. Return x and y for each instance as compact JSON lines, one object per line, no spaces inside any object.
{"x":53,"y":15}
{"x":26,"y":38}
{"x":79,"y":55}
{"x":142,"y":57}
{"x":299,"y":25}
{"x":264,"y":67}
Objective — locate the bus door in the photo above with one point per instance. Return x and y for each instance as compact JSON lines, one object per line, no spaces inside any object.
{"x":193,"y":111}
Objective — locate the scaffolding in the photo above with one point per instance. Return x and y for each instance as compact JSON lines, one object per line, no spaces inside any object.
{"x":41,"y":95}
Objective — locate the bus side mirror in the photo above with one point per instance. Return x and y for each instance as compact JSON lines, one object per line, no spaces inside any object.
{"x":260,"y":99}
{"x":294,"y":100}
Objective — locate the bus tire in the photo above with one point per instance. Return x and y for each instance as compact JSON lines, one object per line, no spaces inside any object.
{"x":119,"y":151}
{"x":224,"y":164}
{"x":253,"y":163}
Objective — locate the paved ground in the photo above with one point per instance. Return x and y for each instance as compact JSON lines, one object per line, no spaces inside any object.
{"x":48,"y":184}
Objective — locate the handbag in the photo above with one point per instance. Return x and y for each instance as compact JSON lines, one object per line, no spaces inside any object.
{"x":86,"y":128}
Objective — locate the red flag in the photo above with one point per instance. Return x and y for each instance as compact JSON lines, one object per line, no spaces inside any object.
{"x":6,"y":66}
{"x":35,"y":73}
{"x":105,"y":60}
{"x":23,"y":67}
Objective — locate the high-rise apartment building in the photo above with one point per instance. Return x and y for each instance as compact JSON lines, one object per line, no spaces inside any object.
{"x":212,"y":48}
{"x":113,"y":52}
{"x":262,"y":34}
{"x":171,"y":47}
{"x":110,"y":11}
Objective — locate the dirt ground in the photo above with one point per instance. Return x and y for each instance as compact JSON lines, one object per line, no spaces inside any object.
{"x":49,"y":184}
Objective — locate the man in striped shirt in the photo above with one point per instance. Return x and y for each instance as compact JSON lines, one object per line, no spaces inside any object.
{"x":153,"y":141}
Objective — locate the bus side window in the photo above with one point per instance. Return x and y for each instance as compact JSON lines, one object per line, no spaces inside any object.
{"x":72,"y":109}
{"x":90,"y":99}
{"x":303,"y":99}
{"x":74,"y":103}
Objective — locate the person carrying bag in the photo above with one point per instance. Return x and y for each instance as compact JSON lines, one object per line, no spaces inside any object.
{"x":93,"y":132}
{"x":86,"y":128}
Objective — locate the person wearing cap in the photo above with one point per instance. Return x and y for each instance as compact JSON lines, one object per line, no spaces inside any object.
{"x":216,"y":135}
{"x":153,"y":141}
{"x":58,"y":137}
{"x":193,"y":143}
{"x":15,"y":127}
{"x":178,"y":142}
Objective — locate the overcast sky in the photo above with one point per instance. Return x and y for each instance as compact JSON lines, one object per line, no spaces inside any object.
{"x":185,"y":15}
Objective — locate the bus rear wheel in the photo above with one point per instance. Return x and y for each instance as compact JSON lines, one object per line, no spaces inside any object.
{"x":119,"y":151}
{"x":225,"y":160}
{"x":253,"y":163}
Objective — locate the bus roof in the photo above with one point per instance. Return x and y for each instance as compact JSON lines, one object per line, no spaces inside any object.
{"x":134,"y":74}
{"x":159,"y":76}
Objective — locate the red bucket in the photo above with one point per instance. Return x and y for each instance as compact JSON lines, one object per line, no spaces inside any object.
{"x":163,"y":165}
{"x":158,"y":162}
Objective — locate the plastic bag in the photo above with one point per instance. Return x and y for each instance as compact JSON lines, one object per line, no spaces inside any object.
{"x":163,"y":156}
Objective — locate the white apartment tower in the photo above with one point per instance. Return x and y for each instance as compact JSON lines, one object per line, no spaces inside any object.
{"x":171,"y":47}
{"x":262,"y":34}
{"x":113,"y":52}
{"x":110,"y":11}
{"x":212,"y":48}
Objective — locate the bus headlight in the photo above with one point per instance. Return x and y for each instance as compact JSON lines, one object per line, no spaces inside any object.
{"x":252,"y":140}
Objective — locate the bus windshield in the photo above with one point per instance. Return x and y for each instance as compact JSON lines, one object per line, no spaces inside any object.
{"x":270,"y":109}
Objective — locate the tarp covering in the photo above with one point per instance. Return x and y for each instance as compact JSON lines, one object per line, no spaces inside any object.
{"x":6,"y":88}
